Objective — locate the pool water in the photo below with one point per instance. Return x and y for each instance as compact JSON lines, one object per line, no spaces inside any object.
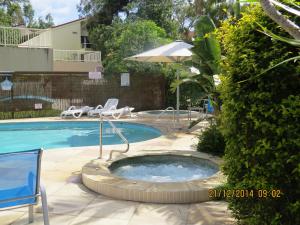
{"x":48,"y":135}
{"x":163,"y":168}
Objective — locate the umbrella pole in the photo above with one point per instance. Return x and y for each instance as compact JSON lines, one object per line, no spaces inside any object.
{"x":177,"y":98}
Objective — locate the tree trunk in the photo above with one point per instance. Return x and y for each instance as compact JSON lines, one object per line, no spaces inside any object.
{"x":199,"y":5}
{"x":280,"y":19}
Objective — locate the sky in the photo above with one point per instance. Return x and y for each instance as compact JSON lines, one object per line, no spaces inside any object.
{"x":61,"y":10}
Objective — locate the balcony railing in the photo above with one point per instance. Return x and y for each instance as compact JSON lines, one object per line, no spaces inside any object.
{"x":76,"y":55}
{"x":25,"y":37}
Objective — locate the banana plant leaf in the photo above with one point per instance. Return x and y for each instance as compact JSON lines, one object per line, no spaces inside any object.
{"x":206,"y":58}
{"x":207,"y":47}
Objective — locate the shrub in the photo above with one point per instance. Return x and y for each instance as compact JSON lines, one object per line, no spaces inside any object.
{"x":260,"y":120}
{"x":212,"y":141}
{"x":29,"y":114}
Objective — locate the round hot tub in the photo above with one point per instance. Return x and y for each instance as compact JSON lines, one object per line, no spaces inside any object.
{"x":163,"y":168}
{"x":156,"y":178}
{"x":167,"y":114}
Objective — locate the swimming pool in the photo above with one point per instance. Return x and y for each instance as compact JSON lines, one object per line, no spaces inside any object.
{"x":49,"y":135}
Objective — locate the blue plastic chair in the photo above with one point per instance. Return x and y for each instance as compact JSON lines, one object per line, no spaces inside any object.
{"x":208,"y":105}
{"x":20,"y":182}
{"x":210,"y":108}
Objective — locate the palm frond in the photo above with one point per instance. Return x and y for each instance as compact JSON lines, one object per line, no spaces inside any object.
{"x":286,"y":8}
{"x":290,"y":41}
{"x":272,"y":67}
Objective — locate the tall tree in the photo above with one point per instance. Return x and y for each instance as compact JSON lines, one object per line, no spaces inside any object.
{"x":12,"y":12}
{"x":7,"y":3}
{"x":217,"y":10}
{"x":5,"y":19}
{"x":21,"y":12}
{"x":131,"y":38}
{"x":28,"y":14}
{"x":160,"y":12}
{"x":16,"y":14}
{"x":185,"y":15}
{"x":48,"y":22}
{"x":101,"y":11}
{"x":175,"y":16}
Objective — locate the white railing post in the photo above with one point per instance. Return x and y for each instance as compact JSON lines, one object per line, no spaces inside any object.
{"x":27,"y":40}
{"x":77,"y":55}
{"x":4,"y":37}
{"x":101,"y":137}
{"x":25,"y":37}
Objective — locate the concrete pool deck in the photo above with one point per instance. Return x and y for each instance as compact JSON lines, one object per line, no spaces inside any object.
{"x":71,"y":203}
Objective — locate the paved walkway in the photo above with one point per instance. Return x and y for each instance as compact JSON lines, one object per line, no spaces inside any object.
{"x":70,"y":203}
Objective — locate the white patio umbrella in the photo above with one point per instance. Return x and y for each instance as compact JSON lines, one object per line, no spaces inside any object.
{"x":175,"y":52}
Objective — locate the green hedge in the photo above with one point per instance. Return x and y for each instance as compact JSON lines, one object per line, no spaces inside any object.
{"x":260,"y":120}
{"x":211,"y":141}
{"x":29,"y":114}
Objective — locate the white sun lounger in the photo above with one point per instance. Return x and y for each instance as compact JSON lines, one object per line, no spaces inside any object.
{"x":75,"y":112}
{"x":111,"y":104}
{"x":117,"y":113}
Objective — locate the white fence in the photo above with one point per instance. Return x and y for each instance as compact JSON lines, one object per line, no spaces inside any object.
{"x":76,"y":55}
{"x":25,"y":37}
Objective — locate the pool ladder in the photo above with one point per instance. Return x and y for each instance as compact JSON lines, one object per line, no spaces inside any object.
{"x":173,"y":112}
{"x":117,"y":131}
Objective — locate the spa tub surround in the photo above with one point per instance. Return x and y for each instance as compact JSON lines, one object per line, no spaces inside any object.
{"x":167,"y":114}
{"x":111,"y":178}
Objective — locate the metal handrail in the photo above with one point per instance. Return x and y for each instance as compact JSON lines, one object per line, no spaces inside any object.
{"x":117,"y":132}
{"x":163,"y":112}
{"x":203,"y":108}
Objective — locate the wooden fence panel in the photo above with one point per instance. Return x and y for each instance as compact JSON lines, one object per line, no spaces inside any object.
{"x":61,"y":90}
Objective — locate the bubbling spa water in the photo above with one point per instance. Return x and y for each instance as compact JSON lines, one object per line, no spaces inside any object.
{"x":163,"y":168}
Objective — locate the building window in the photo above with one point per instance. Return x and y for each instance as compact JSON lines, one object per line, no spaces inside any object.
{"x":85,"y":43}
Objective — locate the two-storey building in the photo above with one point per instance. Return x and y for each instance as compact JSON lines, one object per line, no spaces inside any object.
{"x":62,"y":48}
